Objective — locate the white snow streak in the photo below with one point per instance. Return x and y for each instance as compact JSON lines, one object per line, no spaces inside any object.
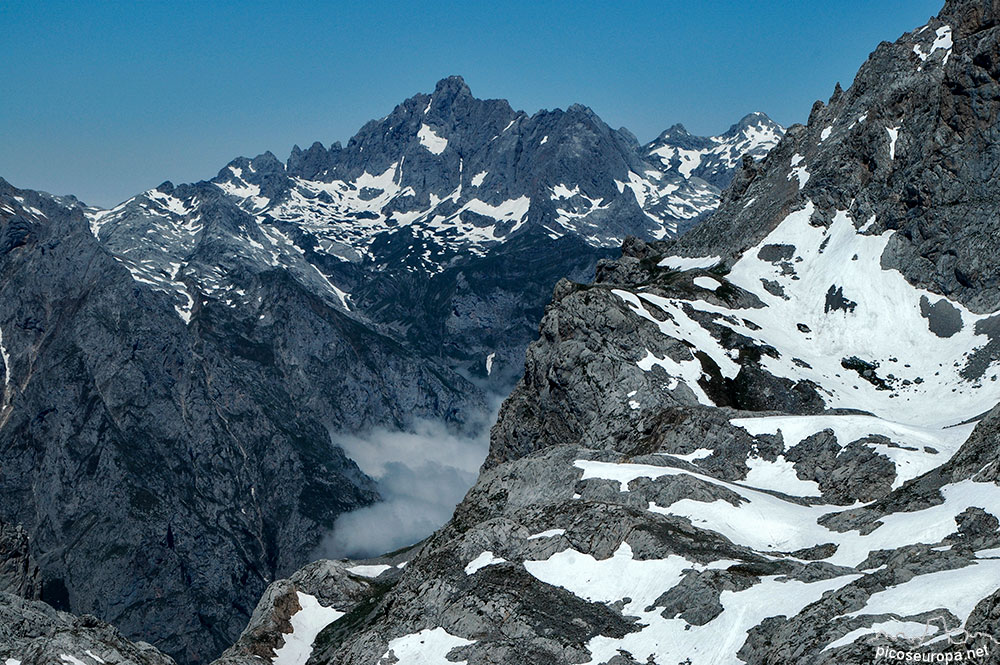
{"x":6,"y":365}
{"x":893,"y":135}
{"x":487,"y":558}
{"x":306,"y":625}
{"x":551,"y":533}
{"x":690,"y":262}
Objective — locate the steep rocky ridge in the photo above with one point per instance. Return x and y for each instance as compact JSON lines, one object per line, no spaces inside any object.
{"x":32,"y":633}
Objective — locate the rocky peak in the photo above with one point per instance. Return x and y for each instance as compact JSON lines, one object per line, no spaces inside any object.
{"x":753,"y":121}
{"x":451,"y":88}
{"x":675,"y":130}
{"x":312,"y":163}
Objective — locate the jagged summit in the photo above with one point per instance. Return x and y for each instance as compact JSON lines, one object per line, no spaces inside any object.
{"x":675,"y":130}
{"x":452,"y":87}
{"x":758,"y":121}
{"x":714,"y":158}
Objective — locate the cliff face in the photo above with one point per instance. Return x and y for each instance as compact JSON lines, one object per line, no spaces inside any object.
{"x":156,"y":467}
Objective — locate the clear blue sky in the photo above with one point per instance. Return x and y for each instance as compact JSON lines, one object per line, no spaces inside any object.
{"x":104,"y":100}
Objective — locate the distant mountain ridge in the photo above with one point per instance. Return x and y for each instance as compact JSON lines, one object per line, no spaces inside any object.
{"x":715,"y":158}
{"x":422,"y":195}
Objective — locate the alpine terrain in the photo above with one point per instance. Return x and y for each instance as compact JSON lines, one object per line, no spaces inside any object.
{"x":773,"y":440}
{"x":173,"y":367}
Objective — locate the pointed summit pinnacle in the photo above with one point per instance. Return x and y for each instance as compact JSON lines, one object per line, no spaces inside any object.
{"x":453,"y":86}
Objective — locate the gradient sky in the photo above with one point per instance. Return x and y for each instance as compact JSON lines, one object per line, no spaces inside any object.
{"x":105,"y":100}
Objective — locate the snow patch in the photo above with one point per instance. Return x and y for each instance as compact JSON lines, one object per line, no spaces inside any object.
{"x":615,"y":578}
{"x":434,"y":143}
{"x":306,"y":625}
{"x":799,"y":172}
{"x":430,"y":646}
{"x":942,"y":41}
{"x":171,"y":203}
{"x":369,"y":570}
{"x":487,"y":558}
{"x":706,"y":282}
{"x":6,"y":366}
{"x":689,"y":161}
{"x":689,"y":262}
{"x":551,"y":533}
{"x":700,"y":453}
{"x":687,"y":371}
{"x":893,"y":135}
{"x":779,"y":475}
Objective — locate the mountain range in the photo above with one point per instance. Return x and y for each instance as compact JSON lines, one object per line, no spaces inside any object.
{"x":437,"y":204}
{"x":764,"y":430}
{"x":773,"y":440}
{"x":174,"y":366}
